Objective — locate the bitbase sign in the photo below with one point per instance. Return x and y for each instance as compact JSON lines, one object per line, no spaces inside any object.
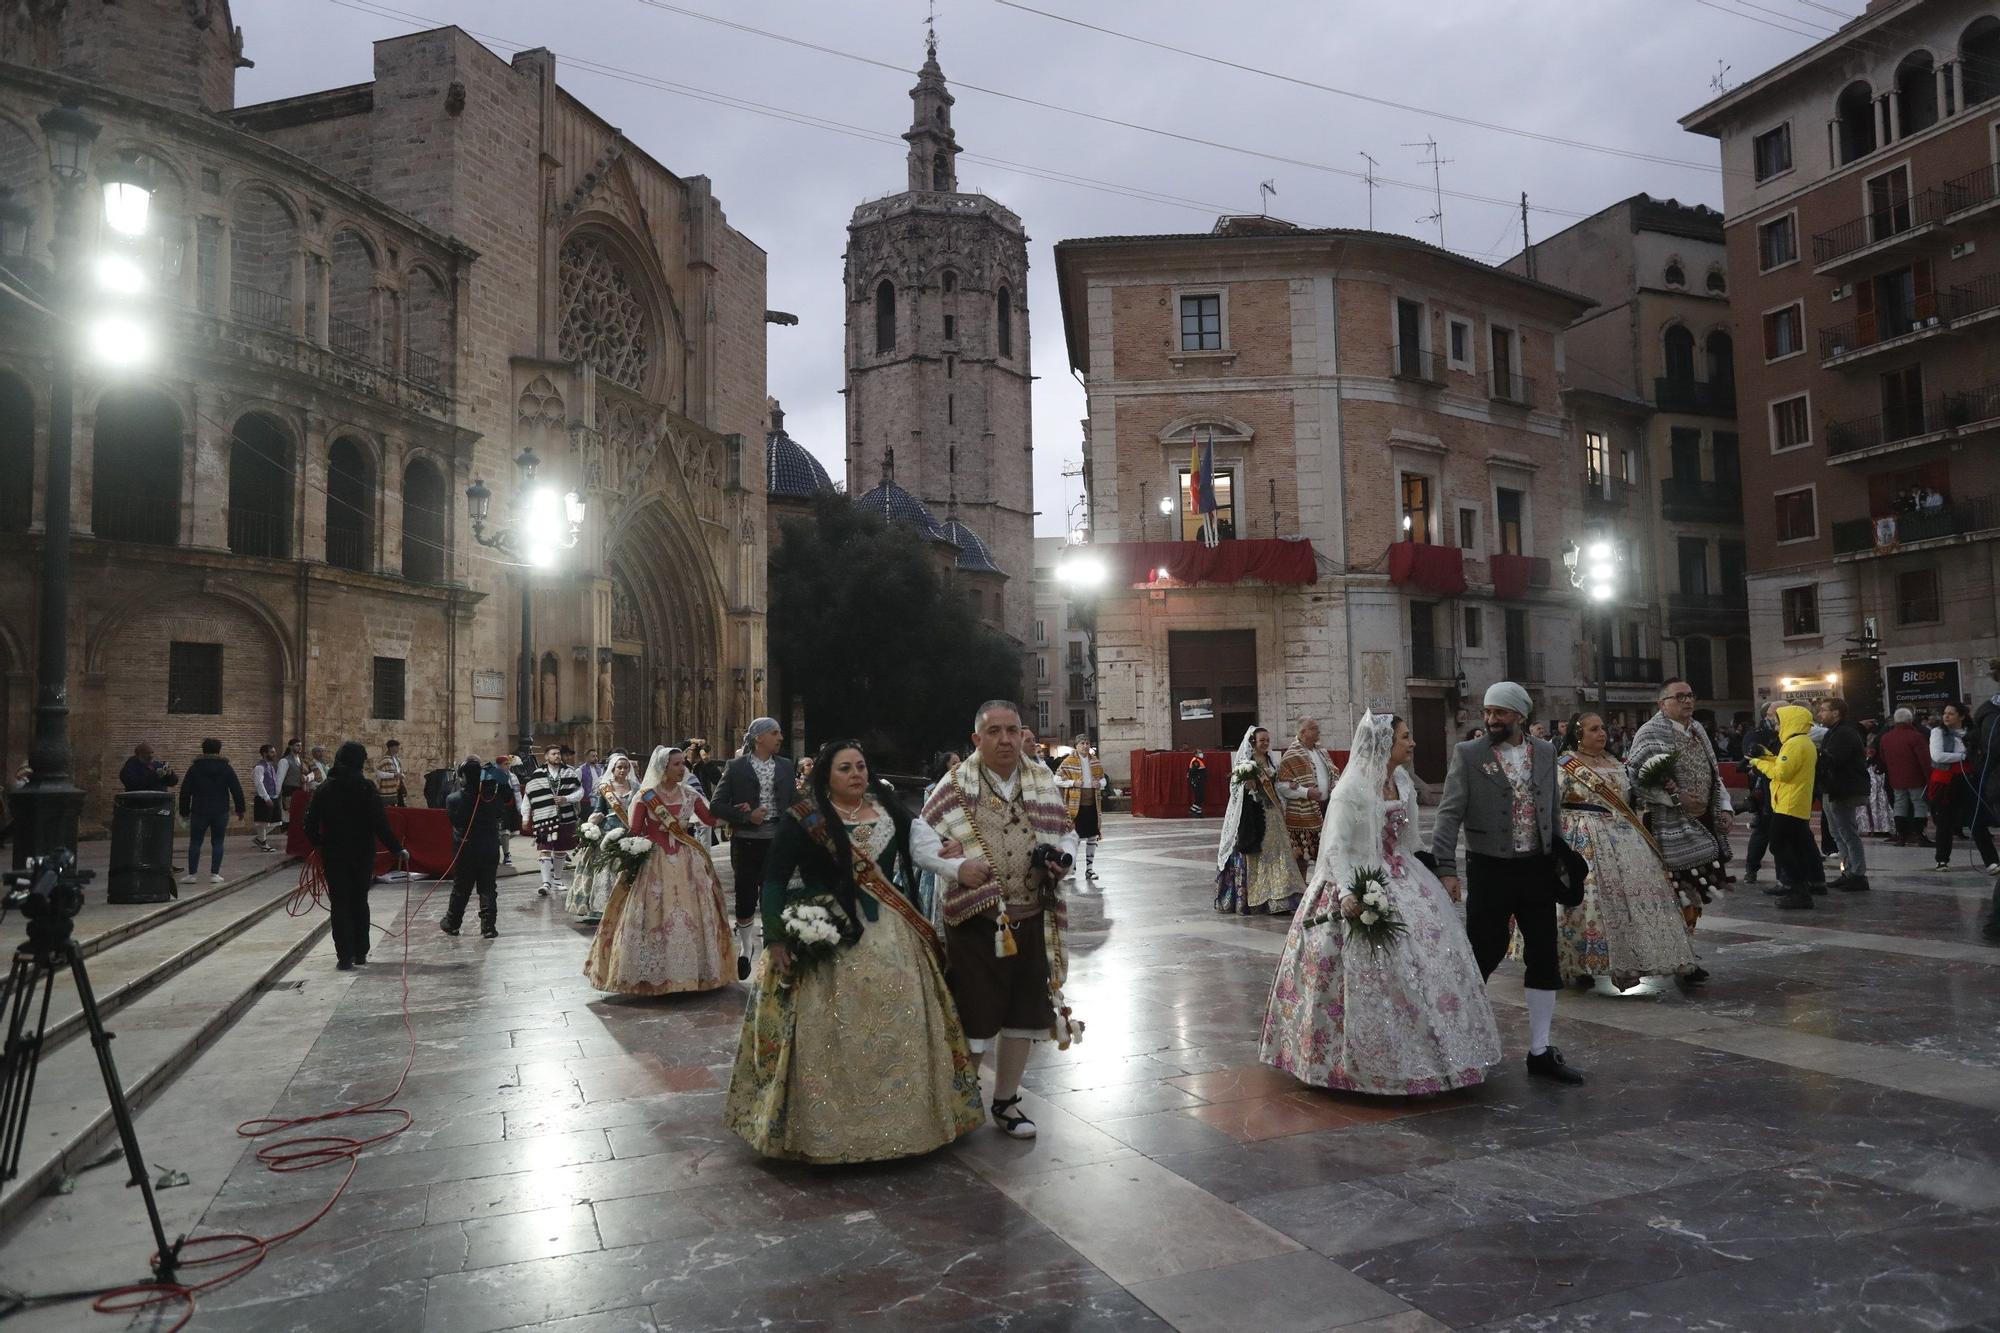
{"x":1923,"y":685}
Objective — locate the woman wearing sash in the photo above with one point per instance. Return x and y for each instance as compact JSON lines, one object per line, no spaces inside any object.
{"x":858,"y":1057}
{"x":666,"y":927}
{"x":610,"y":811}
{"x":1629,"y":924}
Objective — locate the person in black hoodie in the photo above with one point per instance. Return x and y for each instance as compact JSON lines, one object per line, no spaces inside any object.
{"x":1843,"y":790}
{"x":207,"y":789}
{"x":344,"y":823}
{"x":482,"y":813}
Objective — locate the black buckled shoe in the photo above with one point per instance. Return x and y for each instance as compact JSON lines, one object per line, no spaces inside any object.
{"x":1793,"y":901}
{"x":1550,"y":1064}
{"x":1010,"y":1121}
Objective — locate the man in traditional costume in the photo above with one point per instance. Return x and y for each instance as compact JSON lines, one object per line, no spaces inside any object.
{"x":553,"y":797}
{"x":1305,"y":783}
{"x":1688,"y":815}
{"x":1000,"y":817}
{"x":757,"y":786}
{"x":1501,"y":789}
{"x":1083,"y":785}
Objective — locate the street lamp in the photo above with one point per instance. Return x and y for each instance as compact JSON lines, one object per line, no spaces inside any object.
{"x":546,"y":524}
{"x":1595,"y":569}
{"x":47,"y":809}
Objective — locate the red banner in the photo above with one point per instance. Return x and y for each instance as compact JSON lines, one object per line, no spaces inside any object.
{"x":1193,"y":562}
{"x":1435,"y":569}
{"x":426,"y":833}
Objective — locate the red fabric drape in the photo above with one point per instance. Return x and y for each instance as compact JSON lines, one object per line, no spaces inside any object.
{"x":1513,"y":575}
{"x":1435,"y":569}
{"x":1229,"y":562}
{"x":426,"y":833}
{"x":1160,"y":781}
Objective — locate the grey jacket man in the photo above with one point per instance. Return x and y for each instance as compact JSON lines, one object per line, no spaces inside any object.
{"x":1478,"y":798}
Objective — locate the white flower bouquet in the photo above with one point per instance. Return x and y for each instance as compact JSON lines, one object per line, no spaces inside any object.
{"x":812,"y":934}
{"x":1244,"y":772}
{"x":1376,"y":923}
{"x":627,"y":852}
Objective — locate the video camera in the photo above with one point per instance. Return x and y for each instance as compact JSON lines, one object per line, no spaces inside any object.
{"x":49,"y":889}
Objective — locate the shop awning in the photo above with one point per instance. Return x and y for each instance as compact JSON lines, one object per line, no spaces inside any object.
{"x":1227,"y":562}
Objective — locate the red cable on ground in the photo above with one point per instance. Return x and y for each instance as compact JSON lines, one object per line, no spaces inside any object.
{"x":244,"y":1251}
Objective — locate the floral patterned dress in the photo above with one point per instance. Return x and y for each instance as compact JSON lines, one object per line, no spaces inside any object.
{"x":1405,"y":1020}
{"x":591,"y":886}
{"x":1266,"y":880}
{"x":666,"y":928}
{"x":1630,"y":922}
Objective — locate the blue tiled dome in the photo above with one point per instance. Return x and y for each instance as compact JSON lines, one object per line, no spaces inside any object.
{"x":972,"y":553}
{"x":790,"y":473}
{"x":899,"y":506}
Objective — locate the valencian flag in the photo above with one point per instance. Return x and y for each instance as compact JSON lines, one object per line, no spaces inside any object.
{"x":1201,"y":487}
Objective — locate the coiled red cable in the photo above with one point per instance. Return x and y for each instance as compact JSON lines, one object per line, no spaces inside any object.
{"x":240,"y":1251}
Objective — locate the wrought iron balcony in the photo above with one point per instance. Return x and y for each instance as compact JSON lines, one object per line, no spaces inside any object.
{"x":1604,"y":491}
{"x":133,"y":515}
{"x":1694,"y":501}
{"x":1525,"y":666}
{"x":1884,"y":534}
{"x":258,"y":532}
{"x":350,"y":339}
{"x":1874,"y":230}
{"x":1905,"y":423}
{"x":1975,"y":189}
{"x":254,"y":305}
{"x":1926,"y":315}
{"x":1432,"y":662}
{"x":1707,"y":612}
{"x":347,"y":548}
{"x":424,"y":368}
{"x":1411,"y":362}
{"x":1633,"y":671}
{"x":1508,"y":387}
{"x":1706,"y":399}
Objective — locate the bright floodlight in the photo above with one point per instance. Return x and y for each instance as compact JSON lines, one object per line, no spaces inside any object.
{"x":126,"y":204}
{"x":1161,"y":572}
{"x":1833,"y":678}
{"x":573,"y":509}
{"x":543,"y":530}
{"x":1083,"y":571}
{"x":118,"y":275}
{"x":1600,"y":592}
{"x":1599,"y":551}
{"x":1167,"y":505}
{"x":119,"y":341}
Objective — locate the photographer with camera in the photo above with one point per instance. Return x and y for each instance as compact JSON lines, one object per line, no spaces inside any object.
{"x":1003,"y":905}
{"x":344,"y":823}
{"x":482,"y":814}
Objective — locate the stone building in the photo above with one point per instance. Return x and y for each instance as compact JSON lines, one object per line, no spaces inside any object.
{"x":372,"y":296}
{"x":1862,"y":213}
{"x":1388,"y":437}
{"x":1652,"y":379}
{"x":938,"y":381}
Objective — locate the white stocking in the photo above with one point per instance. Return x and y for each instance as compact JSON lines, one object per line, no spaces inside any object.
{"x":1541,"y":1013}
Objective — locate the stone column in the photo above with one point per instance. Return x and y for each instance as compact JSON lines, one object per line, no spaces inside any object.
{"x":298,"y":293}
{"x":205,"y":481}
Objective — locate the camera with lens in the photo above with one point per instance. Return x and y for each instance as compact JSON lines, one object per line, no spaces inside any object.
{"x":51,"y":888}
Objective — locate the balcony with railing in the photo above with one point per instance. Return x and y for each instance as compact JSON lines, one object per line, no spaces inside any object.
{"x":1526,"y":667}
{"x":1695,"y":501}
{"x":1505,"y":386}
{"x":1975,"y":302}
{"x":1886,"y":329}
{"x":1433,"y":662}
{"x":1632,"y":671}
{"x":1884,"y":534}
{"x":254,"y":305}
{"x":258,"y":532}
{"x":1707,"y":612}
{"x":424,"y":368}
{"x":134,"y":515}
{"x":350,"y":339}
{"x":1958,"y":415}
{"x":1602,"y":491}
{"x":1413,"y":363}
{"x":347,"y":548}
{"x":1880,"y":230}
{"x":1716,"y":399}
{"x":1975,"y":192}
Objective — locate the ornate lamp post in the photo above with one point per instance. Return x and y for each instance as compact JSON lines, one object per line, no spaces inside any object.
{"x":545,"y":525}
{"x":47,"y":809}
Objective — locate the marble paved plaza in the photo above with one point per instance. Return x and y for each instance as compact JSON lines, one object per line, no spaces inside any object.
{"x":1809,"y":1143}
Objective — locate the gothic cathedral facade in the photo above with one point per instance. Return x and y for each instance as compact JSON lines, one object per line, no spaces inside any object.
{"x":938,"y":383}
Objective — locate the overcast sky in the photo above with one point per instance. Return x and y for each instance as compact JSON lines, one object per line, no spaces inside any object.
{"x":1614,"y":73}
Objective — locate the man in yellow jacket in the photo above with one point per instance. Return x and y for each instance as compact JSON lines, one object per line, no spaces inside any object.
{"x":1791,"y":772}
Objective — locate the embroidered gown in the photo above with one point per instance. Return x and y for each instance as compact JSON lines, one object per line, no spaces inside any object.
{"x":861,"y":1058}
{"x":591,"y":887}
{"x":665,"y":928}
{"x":1630,"y":922}
{"x":1266,"y":880}
{"x":1402,"y":1021}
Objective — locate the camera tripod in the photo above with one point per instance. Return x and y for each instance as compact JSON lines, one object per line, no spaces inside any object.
{"x":49,"y":898}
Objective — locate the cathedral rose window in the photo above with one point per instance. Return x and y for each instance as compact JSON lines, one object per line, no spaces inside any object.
{"x":604,"y":321}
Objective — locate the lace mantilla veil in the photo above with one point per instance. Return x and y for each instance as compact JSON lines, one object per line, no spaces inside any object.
{"x":1351,"y":837}
{"x":1246,"y":749}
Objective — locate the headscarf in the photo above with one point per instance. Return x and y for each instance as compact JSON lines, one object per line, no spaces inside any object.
{"x":1246,"y":751}
{"x":1351,"y":837}
{"x":656,"y":768}
{"x":1506,"y":694}
{"x":758,"y":728}
{"x":607,"y":785}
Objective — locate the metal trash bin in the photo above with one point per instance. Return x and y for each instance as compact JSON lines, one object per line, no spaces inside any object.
{"x":142,"y":848}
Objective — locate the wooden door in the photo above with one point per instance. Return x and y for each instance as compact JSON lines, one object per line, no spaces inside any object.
{"x":1428,"y":730}
{"x":1212,"y":687}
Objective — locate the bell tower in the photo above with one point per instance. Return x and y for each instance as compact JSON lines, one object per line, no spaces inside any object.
{"x":937,"y":353}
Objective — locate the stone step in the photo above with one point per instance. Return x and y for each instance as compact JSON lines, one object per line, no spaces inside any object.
{"x":132,"y":948}
{"x":186,"y":993}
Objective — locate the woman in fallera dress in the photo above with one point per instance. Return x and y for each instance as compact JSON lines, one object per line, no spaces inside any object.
{"x":1408,"y":1018}
{"x":1255,"y":869}
{"x":666,"y":926}
{"x":858,"y":1057}
{"x":610,"y":813}
{"x":1629,"y":924}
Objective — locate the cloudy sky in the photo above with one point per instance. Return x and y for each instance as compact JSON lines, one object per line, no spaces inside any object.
{"x":795,"y":137}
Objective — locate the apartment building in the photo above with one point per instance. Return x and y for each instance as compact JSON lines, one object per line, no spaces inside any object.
{"x":1064,"y":679}
{"x":1863,"y":234}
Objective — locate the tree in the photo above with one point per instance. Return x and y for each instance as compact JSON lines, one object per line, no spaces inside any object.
{"x":877,"y":645}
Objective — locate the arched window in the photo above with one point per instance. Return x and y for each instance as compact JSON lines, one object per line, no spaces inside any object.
{"x":941,"y":171}
{"x":1718,"y":281}
{"x":1003,"y":321}
{"x":135,"y":489}
{"x":1676,"y":275}
{"x":427,"y":329}
{"x":260,"y":488}
{"x":1979,"y":60}
{"x":885,"y":316}
{"x":1854,"y":122}
{"x":950,"y":281}
{"x":1699,"y":660}
{"x":350,"y":502}
{"x":1916,"y":93}
{"x":17,"y":455}
{"x":350,"y":321}
{"x":263,"y":242}
{"x":1680,"y":354}
{"x":423,"y":523}
{"x":1720,"y":353}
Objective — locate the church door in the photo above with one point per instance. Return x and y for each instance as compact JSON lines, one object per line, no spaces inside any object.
{"x":629,"y":723}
